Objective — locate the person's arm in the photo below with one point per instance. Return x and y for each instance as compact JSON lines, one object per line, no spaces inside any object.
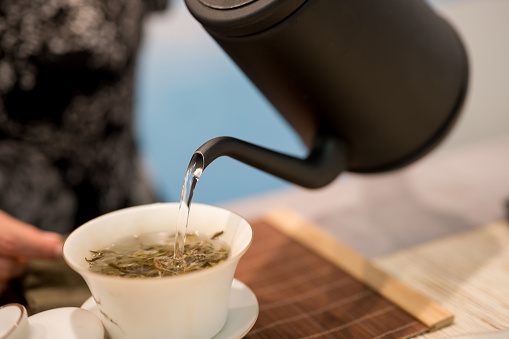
{"x":20,"y":241}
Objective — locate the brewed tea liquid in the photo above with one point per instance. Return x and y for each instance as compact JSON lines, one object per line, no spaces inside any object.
{"x":151,"y":255}
{"x":193,"y":173}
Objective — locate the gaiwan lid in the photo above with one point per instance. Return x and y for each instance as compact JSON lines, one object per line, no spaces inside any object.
{"x":58,"y":323}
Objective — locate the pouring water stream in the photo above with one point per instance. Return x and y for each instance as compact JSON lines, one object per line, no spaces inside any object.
{"x":193,"y":173}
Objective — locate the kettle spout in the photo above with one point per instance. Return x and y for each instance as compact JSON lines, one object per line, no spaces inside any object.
{"x":327,"y":158}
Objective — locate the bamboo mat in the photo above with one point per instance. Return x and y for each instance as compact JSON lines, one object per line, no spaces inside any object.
{"x":311,"y":286}
{"x":467,"y":273}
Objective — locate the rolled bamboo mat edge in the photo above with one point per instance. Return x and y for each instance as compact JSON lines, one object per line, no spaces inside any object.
{"x":318,"y":240}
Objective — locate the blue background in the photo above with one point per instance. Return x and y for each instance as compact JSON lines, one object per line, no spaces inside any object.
{"x":189,"y":91}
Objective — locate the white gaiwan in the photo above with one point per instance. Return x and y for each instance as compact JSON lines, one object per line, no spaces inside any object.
{"x":192,"y":305}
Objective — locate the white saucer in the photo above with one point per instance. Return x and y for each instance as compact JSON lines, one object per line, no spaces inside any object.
{"x":57,"y":323}
{"x":65,"y":323}
{"x":242,"y":311}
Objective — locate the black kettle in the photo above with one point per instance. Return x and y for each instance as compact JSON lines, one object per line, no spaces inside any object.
{"x":370,"y":86}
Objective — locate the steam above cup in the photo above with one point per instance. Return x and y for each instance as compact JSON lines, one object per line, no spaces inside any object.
{"x":191,"y":305}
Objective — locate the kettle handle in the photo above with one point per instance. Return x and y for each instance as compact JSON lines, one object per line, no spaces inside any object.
{"x":327,"y":158}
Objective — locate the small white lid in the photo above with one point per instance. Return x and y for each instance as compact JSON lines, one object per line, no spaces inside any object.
{"x":13,"y":322}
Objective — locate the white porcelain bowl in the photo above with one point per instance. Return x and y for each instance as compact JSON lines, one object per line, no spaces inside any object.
{"x":192,"y":305}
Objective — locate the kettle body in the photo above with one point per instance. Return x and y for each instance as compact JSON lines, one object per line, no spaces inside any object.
{"x":385,"y":80}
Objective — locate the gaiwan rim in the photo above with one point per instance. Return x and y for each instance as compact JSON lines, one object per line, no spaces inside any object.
{"x":190,"y":275}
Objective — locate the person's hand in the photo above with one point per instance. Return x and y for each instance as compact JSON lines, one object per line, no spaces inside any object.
{"x":20,"y":241}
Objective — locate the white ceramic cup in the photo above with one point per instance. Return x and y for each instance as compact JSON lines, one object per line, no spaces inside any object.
{"x":14,"y":322}
{"x":191,"y":305}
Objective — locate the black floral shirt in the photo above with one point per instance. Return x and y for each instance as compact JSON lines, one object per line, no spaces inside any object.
{"x":67,"y":144}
